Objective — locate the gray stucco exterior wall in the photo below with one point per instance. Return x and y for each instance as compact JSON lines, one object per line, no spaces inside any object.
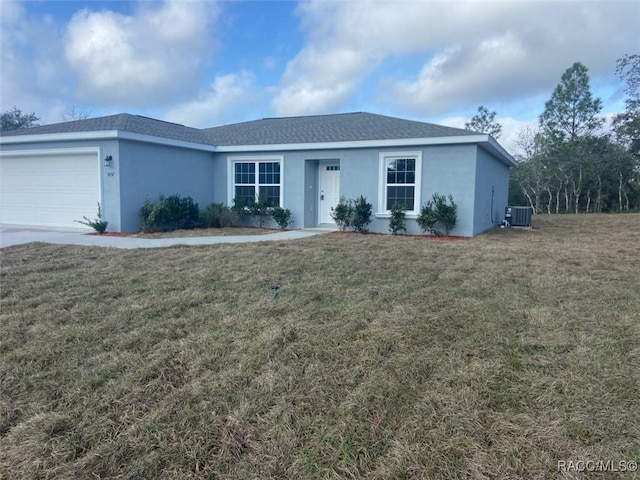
{"x":311,"y":193}
{"x":446,"y":169}
{"x":476,"y":179}
{"x":491,"y":192}
{"x":149,"y":170}
{"x":450,"y":170}
{"x":219,"y":180}
{"x":358,"y":176}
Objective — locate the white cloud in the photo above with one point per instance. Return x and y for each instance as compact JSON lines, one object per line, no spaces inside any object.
{"x":511,"y":129}
{"x":11,"y":12}
{"x":318,"y":81}
{"x":29,"y":53}
{"x":225,"y":101}
{"x":12,"y":39}
{"x":474,"y":52}
{"x":422,"y":60}
{"x":458,"y":74}
{"x":140,"y":59}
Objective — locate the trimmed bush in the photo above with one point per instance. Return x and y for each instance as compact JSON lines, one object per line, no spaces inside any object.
{"x":396,"y":222}
{"x":241,"y":209}
{"x":350,"y":213}
{"x":218,"y":215}
{"x":427,"y":219}
{"x":229,"y":218}
{"x":361,"y":216}
{"x":98,"y":224}
{"x":282,"y":216}
{"x":210,"y":216}
{"x":438,"y":213}
{"x":260,"y":211}
{"x":342,"y":213}
{"x":169,"y":213}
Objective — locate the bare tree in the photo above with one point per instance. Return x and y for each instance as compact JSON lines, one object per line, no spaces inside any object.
{"x":527,"y":142}
{"x":75,"y":112}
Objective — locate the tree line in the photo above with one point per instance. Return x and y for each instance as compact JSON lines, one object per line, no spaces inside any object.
{"x":571,"y":163}
{"x":15,"y":119}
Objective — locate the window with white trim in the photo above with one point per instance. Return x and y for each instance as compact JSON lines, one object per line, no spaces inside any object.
{"x":400,"y":180}
{"x":253,"y":179}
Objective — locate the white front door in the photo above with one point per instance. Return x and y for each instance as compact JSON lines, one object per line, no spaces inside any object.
{"x":329,"y":190}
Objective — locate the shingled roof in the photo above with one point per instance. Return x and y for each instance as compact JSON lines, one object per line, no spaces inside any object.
{"x":124,"y":122}
{"x":343,"y":127}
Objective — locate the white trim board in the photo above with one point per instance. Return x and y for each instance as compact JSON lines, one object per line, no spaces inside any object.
{"x":49,"y":151}
{"x":104,"y":135}
{"x":382,"y":180}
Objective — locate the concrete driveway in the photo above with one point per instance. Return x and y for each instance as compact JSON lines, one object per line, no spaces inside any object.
{"x":16,"y":236}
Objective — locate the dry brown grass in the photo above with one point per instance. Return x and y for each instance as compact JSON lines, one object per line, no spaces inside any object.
{"x":383,"y":357}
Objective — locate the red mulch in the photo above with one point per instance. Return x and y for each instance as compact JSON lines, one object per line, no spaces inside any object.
{"x":443,"y":238}
{"x":112,"y":234}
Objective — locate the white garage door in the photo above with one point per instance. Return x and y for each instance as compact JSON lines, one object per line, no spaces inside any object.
{"x":49,"y":188}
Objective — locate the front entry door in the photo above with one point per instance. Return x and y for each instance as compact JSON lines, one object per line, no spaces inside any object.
{"x":329,"y":190}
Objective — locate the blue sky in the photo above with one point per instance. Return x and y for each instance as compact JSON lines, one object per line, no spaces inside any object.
{"x":206,"y":63}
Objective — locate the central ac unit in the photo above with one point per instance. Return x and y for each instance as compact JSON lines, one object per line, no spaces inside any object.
{"x":518,"y":216}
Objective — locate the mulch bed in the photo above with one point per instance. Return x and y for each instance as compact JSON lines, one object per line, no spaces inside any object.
{"x":111,"y":234}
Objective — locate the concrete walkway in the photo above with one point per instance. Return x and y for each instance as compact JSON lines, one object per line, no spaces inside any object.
{"x":18,"y":236}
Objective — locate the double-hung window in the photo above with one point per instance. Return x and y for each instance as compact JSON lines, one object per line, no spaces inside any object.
{"x":400,"y":181}
{"x":253,"y":179}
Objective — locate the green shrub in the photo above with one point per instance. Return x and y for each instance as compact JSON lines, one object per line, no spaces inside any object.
{"x":241,"y":209}
{"x":218,"y":215}
{"x":210,"y":216}
{"x":282,"y":216}
{"x":427,"y":219}
{"x":169,"y":213}
{"x":361,"y":216}
{"x":98,"y":224}
{"x":438,"y":213}
{"x":229,"y":218}
{"x":396,"y":222}
{"x":342,"y":213}
{"x":260,"y":211}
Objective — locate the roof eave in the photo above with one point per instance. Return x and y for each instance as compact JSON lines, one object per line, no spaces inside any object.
{"x":498,"y":150}
{"x":103,"y":135}
{"x":488,"y":142}
{"x":58,"y":137}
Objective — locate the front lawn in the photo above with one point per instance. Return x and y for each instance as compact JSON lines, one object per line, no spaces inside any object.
{"x":381,"y":357}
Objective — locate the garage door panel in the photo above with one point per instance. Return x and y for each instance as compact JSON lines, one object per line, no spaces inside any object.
{"x":51,"y":189}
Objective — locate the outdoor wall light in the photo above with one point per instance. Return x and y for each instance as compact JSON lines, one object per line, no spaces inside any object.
{"x":108,"y":161}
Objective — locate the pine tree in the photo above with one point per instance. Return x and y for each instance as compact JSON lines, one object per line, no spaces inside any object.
{"x":484,"y":121}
